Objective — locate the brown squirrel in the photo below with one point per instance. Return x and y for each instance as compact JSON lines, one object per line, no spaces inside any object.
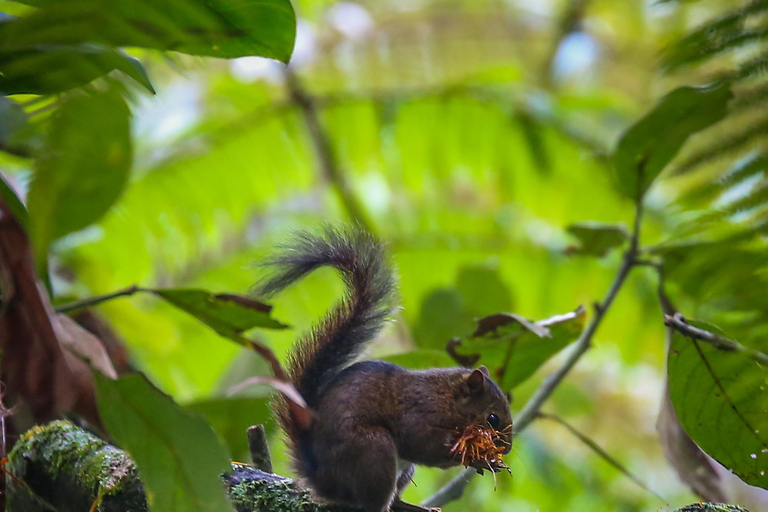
{"x":372,"y":421}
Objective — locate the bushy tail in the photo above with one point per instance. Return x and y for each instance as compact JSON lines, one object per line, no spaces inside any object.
{"x":340,"y":337}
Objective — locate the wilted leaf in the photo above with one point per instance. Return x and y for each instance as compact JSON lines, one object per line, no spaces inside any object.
{"x":649,"y":145}
{"x":49,"y":379}
{"x":229,"y":315}
{"x":597,"y":239}
{"x":83,"y":168}
{"x":180,"y":458}
{"x":230,"y":417}
{"x":51,"y":69}
{"x":514,"y":350}
{"x":692,"y":465}
{"x":721,"y":399}
{"x":215,"y":28}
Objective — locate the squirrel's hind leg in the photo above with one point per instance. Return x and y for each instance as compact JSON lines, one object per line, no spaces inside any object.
{"x":359,"y":469}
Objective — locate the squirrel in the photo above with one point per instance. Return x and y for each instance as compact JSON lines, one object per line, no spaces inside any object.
{"x":372,"y":421}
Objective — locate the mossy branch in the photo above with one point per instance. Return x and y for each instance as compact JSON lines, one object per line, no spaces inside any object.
{"x":61,"y":467}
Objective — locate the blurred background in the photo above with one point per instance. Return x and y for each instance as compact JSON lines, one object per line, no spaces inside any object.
{"x":466,"y":133}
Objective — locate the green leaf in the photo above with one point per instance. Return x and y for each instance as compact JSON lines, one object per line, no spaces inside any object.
{"x":12,"y":120}
{"x":597,"y":239}
{"x":227,"y":314}
{"x":179,"y":457}
{"x":482,"y":290}
{"x":231,"y":417}
{"x":215,"y":28}
{"x":422,"y":359}
{"x":83,"y":167}
{"x":649,"y":145}
{"x":15,"y":205}
{"x":514,"y":348}
{"x":721,"y":399}
{"x":50,"y":69}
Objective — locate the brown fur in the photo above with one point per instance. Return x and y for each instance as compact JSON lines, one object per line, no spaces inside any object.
{"x":372,"y":420}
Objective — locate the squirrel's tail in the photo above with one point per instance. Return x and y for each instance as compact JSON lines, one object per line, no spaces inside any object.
{"x":351,"y":324}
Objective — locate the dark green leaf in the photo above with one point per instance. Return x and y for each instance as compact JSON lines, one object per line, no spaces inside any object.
{"x":422,"y":359}
{"x":12,"y":121}
{"x":231,"y":417}
{"x":13,"y":202}
{"x":482,"y":290}
{"x":229,"y":315}
{"x":443,"y":316}
{"x":50,"y":69}
{"x":721,"y":399}
{"x":651,"y":143}
{"x":83,"y":168}
{"x":597,"y":239}
{"x":514,"y":350}
{"x":216,"y":28}
{"x":180,"y":458}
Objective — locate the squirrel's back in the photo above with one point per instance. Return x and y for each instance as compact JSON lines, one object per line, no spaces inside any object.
{"x":345,"y":330}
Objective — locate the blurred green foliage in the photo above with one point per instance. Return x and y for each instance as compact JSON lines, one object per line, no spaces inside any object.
{"x":477,"y":138}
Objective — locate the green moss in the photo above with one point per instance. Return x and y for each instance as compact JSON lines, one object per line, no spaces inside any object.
{"x":65,"y":466}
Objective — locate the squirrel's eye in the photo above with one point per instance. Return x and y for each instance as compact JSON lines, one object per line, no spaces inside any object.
{"x":493,"y":421}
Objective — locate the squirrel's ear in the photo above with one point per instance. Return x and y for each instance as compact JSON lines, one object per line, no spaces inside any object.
{"x":485,"y":371}
{"x":476,"y":380}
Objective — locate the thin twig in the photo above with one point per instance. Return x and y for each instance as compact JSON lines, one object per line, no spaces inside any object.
{"x":455,"y":488}
{"x":678,"y":323}
{"x":329,"y":163}
{"x":98,"y":299}
{"x":600,"y":451}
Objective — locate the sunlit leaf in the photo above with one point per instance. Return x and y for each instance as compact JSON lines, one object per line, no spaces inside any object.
{"x":84,"y":166}
{"x":597,"y":239}
{"x":217,"y":28}
{"x":515,"y":349}
{"x":721,"y":399}
{"x":229,"y":315}
{"x":180,"y":458}
{"x":649,"y":145}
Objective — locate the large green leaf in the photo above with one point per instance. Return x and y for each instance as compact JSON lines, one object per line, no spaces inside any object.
{"x":216,"y":28}
{"x":721,"y":399}
{"x":50,"y":69}
{"x":229,"y":315}
{"x":180,"y":458}
{"x":651,"y":143}
{"x":231,"y":417}
{"x":83,"y":168}
{"x":596,"y":238}
{"x":514,"y":348}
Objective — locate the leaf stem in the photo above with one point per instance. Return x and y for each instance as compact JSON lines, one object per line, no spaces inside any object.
{"x":610,"y":459}
{"x":455,"y":488}
{"x":98,"y":299}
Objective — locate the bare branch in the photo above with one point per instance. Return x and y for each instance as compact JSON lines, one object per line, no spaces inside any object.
{"x":678,"y":323}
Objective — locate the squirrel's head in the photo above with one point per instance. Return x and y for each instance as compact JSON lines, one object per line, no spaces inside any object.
{"x":483,"y":403}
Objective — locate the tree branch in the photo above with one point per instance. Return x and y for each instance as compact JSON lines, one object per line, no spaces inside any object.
{"x":610,"y":459}
{"x":455,"y":488}
{"x":329,"y":164}
{"x":678,"y":323}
